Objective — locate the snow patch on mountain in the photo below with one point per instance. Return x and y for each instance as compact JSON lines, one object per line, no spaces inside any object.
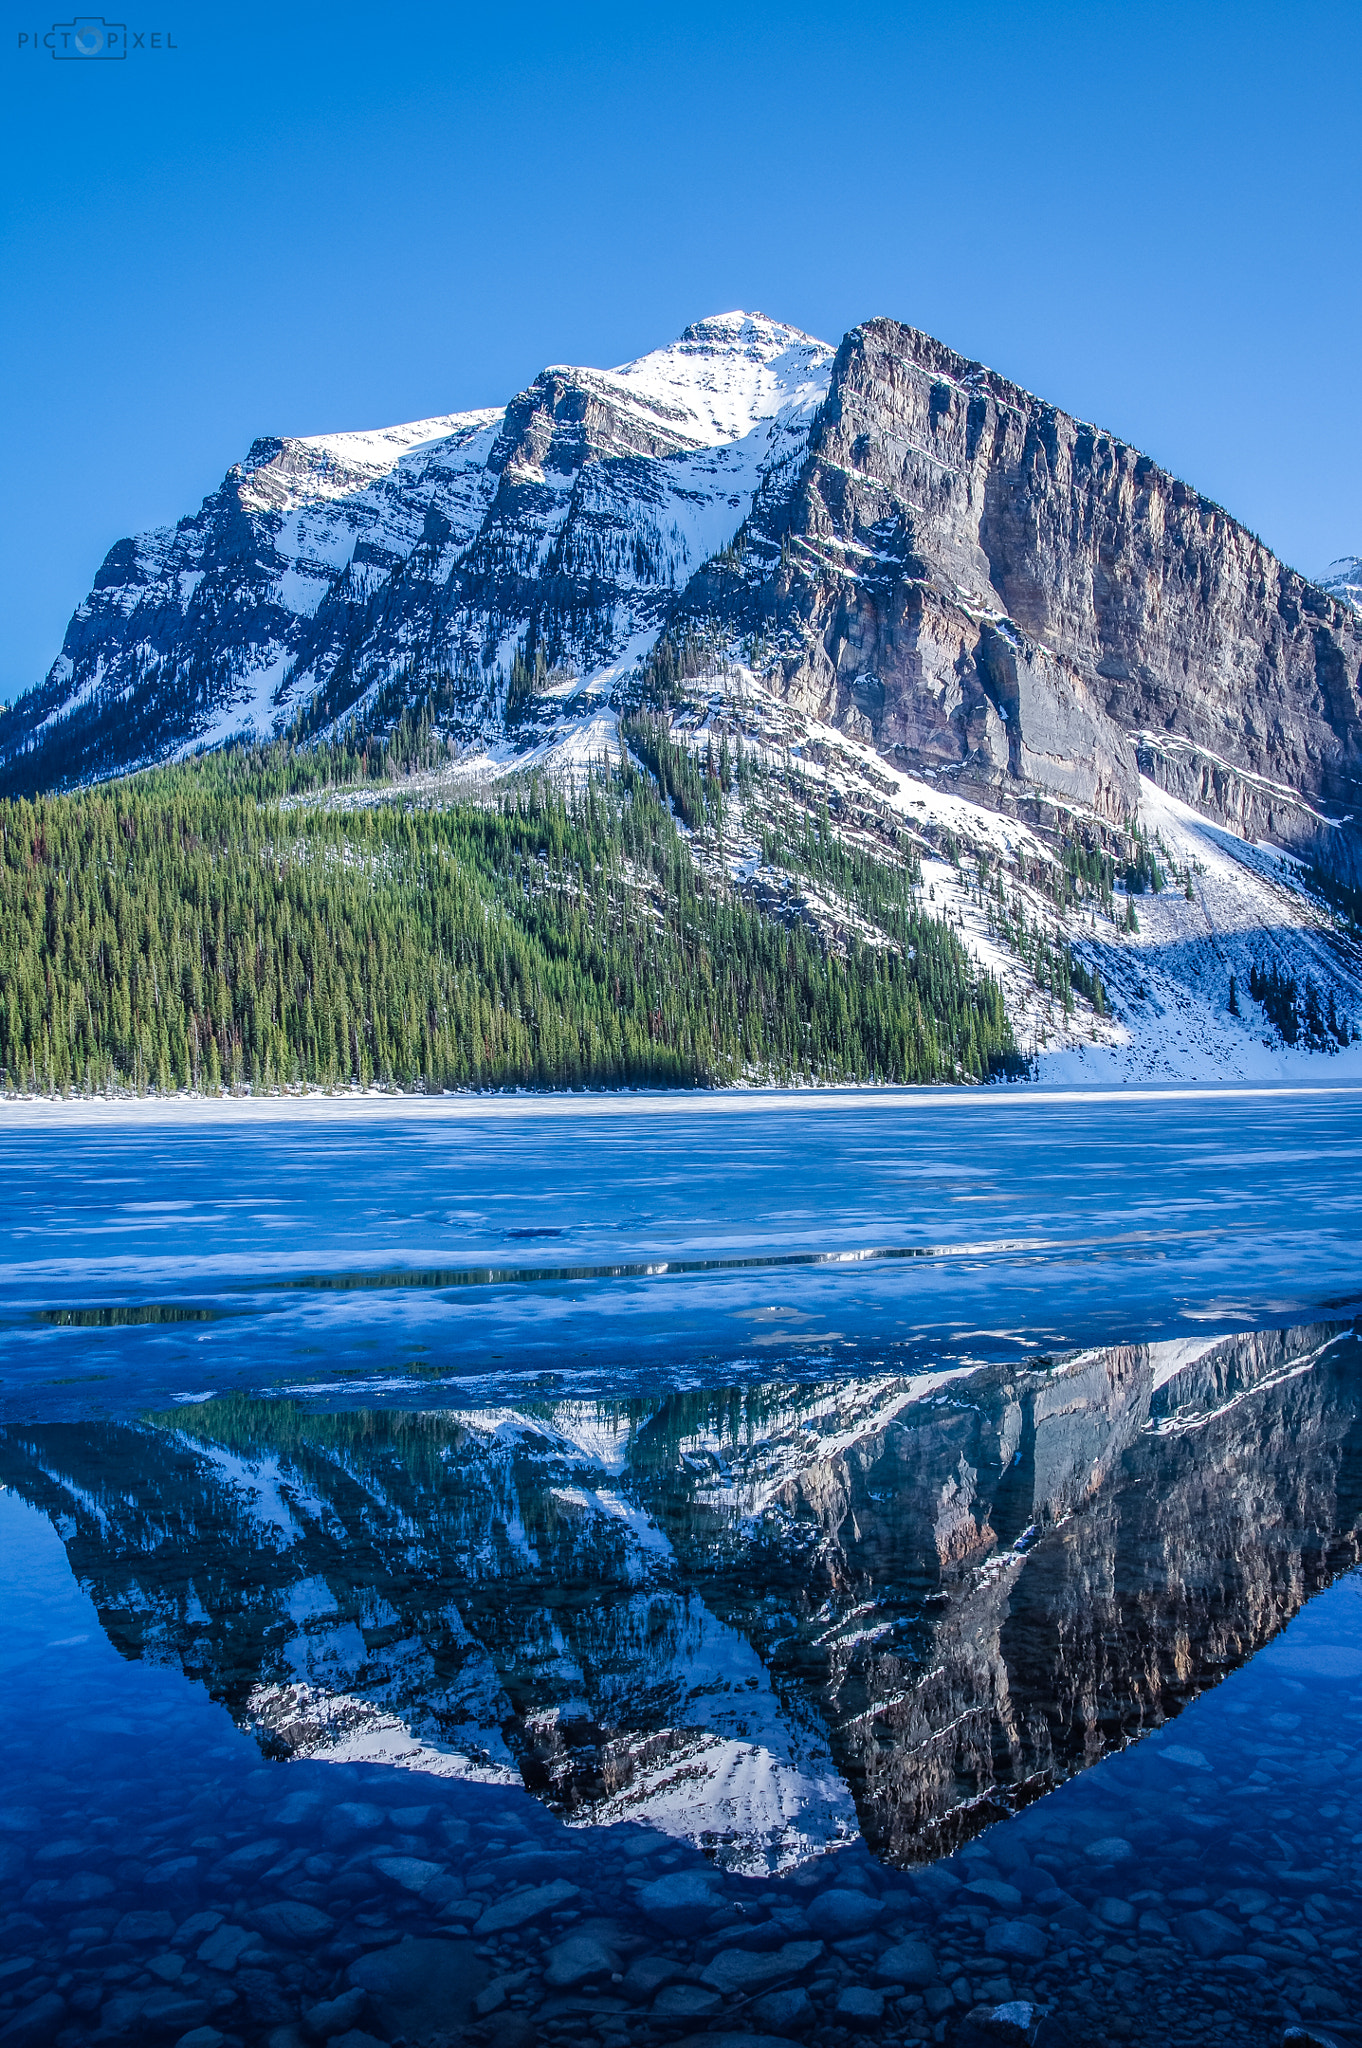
{"x":314,"y":468}
{"x":725,"y":375}
{"x":1171,"y":980}
{"x":1343,"y":578}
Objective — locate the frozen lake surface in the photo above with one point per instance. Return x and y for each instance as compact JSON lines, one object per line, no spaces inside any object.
{"x":674,"y":1571}
{"x":146,"y":1257}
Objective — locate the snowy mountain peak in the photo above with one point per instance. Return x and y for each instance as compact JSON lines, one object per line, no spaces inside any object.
{"x":328,"y":566}
{"x":717,"y":382}
{"x":281,"y":474}
{"x":755,"y":332}
{"x":1343,"y":578}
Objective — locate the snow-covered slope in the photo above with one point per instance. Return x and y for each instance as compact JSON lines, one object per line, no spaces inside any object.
{"x":1250,"y":911}
{"x":1177,"y":963}
{"x":1343,"y":578}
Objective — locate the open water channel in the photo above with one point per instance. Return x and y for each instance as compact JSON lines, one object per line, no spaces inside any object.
{"x":705,"y":1570}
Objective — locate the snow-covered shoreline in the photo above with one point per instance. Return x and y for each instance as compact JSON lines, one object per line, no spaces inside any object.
{"x":378,"y":1105}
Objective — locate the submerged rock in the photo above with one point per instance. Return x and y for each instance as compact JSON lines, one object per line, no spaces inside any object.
{"x":189,"y":1931}
{"x":37,"y":2024}
{"x":647,"y":1974}
{"x":681,"y":1901}
{"x":737,"y":1972}
{"x":859,"y":2007}
{"x":297,"y":1808}
{"x":839,"y":1914}
{"x":732,"y":2040}
{"x":1016,"y":1941}
{"x":519,"y":1908}
{"x":1210,"y":1934}
{"x":1012,"y":2024}
{"x":579,"y":1957}
{"x":498,"y":1991}
{"x":356,"y":1816}
{"x":421,"y":1988}
{"x":908,"y":1962}
{"x":173,"y":2012}
{"x":1005,"y":1895}
{"x":81,"y":1890}
{"x":413,"y":1873}
{"x":291,"y":1921}
{"x":224,"y":1948}
{"x":686,"y":2001}
{"x":1110,"y":1849}
{"x":336,"y":2015}
{"x":254,"y":1855}
{"x":790,"y":2011}
{"x":137,"y":1928}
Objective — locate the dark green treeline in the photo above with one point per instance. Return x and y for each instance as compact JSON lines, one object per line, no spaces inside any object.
{"x":229,"y":922}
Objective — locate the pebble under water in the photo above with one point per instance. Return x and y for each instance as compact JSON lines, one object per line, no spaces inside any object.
{"x":848,"y":1697}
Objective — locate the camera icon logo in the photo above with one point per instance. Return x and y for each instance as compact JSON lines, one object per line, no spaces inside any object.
{"x":89,"y":36}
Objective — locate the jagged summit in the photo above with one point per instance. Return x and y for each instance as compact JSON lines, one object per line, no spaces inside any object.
{"x":754,"y":330}
{"x":291,"y":470}
{"x":728,"y":372}
{"x":713,"y":384}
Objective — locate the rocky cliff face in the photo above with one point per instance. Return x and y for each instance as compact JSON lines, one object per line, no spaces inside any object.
{"x":994,"y":592}
{"x":753,"y":1621}
{"x":899,"y":543}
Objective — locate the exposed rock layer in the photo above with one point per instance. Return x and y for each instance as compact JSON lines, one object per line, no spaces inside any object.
{"x":988,"y":588}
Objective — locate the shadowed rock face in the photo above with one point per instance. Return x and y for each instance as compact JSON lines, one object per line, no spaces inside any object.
{"x":754,"y":1622}
{"x":990,"y":589}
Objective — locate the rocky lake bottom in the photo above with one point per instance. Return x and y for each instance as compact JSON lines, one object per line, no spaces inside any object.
{"x":818,"y":1693}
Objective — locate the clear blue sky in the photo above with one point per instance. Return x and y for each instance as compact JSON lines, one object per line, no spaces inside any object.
{"x":307,"y":217}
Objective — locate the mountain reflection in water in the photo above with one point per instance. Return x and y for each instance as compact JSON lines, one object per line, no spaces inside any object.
{"x":760,"y":1621}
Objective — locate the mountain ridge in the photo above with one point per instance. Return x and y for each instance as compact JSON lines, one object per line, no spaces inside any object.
{"x":325,"y":556}
{"x":1050,"y":613}
{"x":990,"y":589}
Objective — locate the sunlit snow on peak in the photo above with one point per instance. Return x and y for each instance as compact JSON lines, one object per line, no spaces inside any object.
{"x":728,"y":373}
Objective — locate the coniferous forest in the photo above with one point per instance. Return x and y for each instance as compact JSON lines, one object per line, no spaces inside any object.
{"x":279,"y":917}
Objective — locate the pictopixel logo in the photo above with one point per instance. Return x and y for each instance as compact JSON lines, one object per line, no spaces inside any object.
{"x":92,"y":39}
